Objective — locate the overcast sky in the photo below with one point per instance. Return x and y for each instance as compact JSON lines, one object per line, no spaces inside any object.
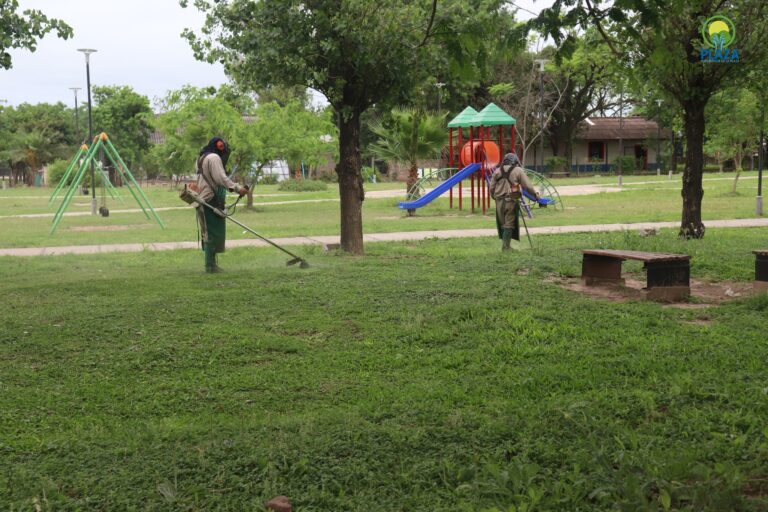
{"x":138,"y":43}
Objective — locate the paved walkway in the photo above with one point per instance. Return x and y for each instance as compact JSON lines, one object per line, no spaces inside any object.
{"x":373,"y":237}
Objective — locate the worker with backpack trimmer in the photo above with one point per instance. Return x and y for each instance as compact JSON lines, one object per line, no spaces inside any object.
{"x":505,"y":185}
{"x":212,"y":186}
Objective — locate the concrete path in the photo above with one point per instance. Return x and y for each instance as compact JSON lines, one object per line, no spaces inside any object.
{"x":373,"y":237}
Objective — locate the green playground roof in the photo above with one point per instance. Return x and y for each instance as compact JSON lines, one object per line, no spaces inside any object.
{"x":464,"y":119}
{"x":492,"y":115}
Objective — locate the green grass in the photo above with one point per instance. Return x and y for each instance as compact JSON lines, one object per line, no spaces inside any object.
{"x":645,"y":199}
{"x":433,"y":376}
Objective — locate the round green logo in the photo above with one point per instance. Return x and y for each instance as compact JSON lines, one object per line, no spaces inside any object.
{"x":718,"y":32}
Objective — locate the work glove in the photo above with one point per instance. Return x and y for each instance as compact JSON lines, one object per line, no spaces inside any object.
{"x":243,"y":190}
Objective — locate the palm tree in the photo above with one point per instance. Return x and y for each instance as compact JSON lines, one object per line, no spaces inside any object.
{"x":411,"y":134}
{"x":28,"y":151}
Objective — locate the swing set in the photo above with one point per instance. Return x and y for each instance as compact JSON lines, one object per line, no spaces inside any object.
{"x":85,"y":156}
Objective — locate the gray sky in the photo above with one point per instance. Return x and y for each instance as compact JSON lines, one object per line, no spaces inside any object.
{"x":138,"y":43}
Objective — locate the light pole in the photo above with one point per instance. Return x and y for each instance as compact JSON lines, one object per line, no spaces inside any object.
{"x":439,"y":86}
{"x":541,"y":63}
{"x":77,"y":116}
{"x":87,"y":52}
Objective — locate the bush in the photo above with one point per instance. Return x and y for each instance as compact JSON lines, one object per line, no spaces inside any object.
{"x":369,"y":173}
{"x":56,"y":170}
{"x":557,"y":164}
{"x":329,"y":177}
{"x":627,"y":164}
{"x":302,"y":185}
{"x":269,"y":179}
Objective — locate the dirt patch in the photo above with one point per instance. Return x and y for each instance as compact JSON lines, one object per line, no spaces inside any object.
{"x":109,"y":228}
{"x":703,"y":294}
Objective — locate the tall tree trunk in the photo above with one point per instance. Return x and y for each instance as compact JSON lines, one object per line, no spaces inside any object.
{"x":351,"y":190}
{"x":569,"y":154}
{"x":693,"y":192}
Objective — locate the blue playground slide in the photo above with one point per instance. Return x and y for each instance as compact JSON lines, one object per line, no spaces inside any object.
{"x":543,"y":201}
{"x":441,"y":189}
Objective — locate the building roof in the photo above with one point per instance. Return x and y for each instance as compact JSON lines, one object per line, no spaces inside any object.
{"x":610,"y":128}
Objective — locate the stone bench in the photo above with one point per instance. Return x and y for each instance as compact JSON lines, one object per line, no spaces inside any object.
{"x":761,"y":269}
{"x":668,"y":275}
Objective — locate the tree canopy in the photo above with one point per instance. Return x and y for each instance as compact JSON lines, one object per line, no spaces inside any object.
{"x":23,"y":30}
{"x":357,"y":53}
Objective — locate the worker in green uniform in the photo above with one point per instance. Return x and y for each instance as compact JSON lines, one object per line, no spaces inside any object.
{"x":506,"y":183}
{"x":213,"y":184}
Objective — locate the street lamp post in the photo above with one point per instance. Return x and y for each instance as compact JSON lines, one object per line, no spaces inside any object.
{"x":87,"y":52}
{"x":541,"y":63}
{"x":439,"y":86}
{"x":77,"y":116}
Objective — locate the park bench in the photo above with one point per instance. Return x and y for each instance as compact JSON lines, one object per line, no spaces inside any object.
{"x":761,"y":269}
{"x":668,"y":275}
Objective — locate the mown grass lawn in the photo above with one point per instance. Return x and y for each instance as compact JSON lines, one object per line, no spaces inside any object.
{"x":440,"y":375}
{"x":278,"y":214}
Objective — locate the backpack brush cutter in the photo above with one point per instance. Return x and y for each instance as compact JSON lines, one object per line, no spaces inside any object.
{"x":190,"y":197}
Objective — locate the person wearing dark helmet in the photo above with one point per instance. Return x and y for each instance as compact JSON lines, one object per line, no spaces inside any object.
{"x":212,"y":185}
{"x":505,"y":187}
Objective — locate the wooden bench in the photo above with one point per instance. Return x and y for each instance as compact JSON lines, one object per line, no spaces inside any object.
{"x":761,"y":269}
{"x":668,"y":275}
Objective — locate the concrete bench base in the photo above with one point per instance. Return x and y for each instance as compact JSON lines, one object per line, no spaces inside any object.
{"x":668,"y":275}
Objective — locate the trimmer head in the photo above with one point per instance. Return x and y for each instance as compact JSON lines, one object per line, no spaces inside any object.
{"x":302,"y":263}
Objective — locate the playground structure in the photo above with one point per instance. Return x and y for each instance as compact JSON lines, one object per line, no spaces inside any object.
{"x":86,"y":156}
{"x":478,"y":156}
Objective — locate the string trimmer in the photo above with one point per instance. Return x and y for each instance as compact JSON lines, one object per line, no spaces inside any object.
{"x":190,"y":196}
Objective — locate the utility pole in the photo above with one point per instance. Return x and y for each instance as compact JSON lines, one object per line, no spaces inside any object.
{"x":541,"y":63}
{"x":77,"y":115}
{"x":87,"y":52}
{"x":439,"y":86}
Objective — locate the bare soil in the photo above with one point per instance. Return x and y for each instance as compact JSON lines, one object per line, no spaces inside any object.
{"x":703,"y":293}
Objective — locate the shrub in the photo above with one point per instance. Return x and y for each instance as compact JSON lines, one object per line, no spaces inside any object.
{"x":302,"y":185}
{"x":56,"y":170}
{"x":269,"y":179}
{"x":329,"y":177}
{"x":557,"y":164}
{"x":627,"y":164}
{"x":369,"y":173}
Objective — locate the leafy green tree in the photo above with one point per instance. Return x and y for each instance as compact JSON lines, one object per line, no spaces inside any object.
{"x":661,"y":42}
{"x":586,"y":80}
{"x":27,"y":152}
{"x":190,"y":126}
{"x":31,"y":134}
{"x":733,"y":127}
{"x":125,"y":116}
{"x":409,"y":135}
{"x":22,"y":30}
{"x":54,"y":118}
{"x":357,"y":53}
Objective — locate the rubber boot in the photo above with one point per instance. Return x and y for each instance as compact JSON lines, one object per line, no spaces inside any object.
{"x":210,"y":259}
{"x":506,"y":237}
